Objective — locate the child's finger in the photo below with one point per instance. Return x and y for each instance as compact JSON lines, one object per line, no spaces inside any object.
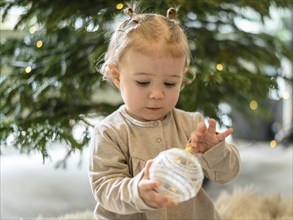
{"x":223,"y":135}
{"x":147,"y":169}
{"x":201,"y":128}
{"x":148,"y":185}
{"x":212,"y":126}
{"x":196,"y":135}
{"x":193,"y":141}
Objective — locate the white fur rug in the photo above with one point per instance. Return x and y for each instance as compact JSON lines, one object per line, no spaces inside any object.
{"x":87,"y":215}
{"x":241,"y":204}
{"x":247,"y":204}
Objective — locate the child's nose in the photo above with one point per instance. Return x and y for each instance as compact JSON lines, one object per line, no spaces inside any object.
{"x":156,"y":93}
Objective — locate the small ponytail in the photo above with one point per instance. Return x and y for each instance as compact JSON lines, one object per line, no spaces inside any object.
{"x":128,"y":11}
{"x":172,"y":13}
{"x":133,"y":16}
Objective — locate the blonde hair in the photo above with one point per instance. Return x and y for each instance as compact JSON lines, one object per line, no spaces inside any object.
{"x":140,"y":32}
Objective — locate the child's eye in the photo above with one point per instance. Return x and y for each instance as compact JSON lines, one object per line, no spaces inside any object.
{"x":143,"y":83}
{"x":167,"y":84}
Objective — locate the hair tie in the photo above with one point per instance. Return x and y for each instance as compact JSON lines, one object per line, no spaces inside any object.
{"x":171,"y":13}
{"x":133,"y":16}
{"x":128,"y":11}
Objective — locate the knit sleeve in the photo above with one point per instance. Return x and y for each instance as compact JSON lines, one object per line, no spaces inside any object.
{"x":110,"y":176}
{"x":221,"y":163}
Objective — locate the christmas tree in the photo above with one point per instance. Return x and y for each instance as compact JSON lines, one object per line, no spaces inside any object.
{"x":49,"y":82}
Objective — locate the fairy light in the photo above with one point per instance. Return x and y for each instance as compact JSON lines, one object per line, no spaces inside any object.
{"x":32,"y":30}
{"x":253,"y":105}
{"x":39,"y":44}
{"x":220,"y":67}
{"x":273,"y":144}
{"x":28,"y":69}
{"x":119,"y":6}
{"x":286,"y":95}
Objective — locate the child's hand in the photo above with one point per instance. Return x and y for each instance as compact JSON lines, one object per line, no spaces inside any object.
{"x":147,"y":191}
{"x":203,"y":138}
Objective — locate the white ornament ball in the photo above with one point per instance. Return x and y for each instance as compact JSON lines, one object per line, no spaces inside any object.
{"x":179,"y":173}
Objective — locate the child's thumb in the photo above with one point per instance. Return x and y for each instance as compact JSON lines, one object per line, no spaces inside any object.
{"x":147,"y":169}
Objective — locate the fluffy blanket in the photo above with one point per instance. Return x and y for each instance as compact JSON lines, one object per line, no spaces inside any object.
{"x":247,"y":204}
{"x":241,"y":204}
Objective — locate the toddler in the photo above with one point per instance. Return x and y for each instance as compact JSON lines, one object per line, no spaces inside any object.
{"x":147,"y":59}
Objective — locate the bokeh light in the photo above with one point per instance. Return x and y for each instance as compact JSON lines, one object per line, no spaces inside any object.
{"x":28,"y":69}
{"x":32,"y":30}
{"x":286,"y":95}
{"x":253,"y":105}
{"x":220,"y":67}
{"x":273,"y":143}
{"x":39,"y":44}
{"x":119,"y":6}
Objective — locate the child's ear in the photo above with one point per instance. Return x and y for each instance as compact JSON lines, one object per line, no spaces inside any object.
{"x":114,"y":74}
{"x":185,"y":70}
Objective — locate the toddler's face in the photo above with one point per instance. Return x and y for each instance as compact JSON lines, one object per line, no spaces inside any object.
{"x":149,"y":84}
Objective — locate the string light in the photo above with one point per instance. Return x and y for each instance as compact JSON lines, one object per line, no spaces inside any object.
{"x":273,"y":143}
{"x":220,"y":67}
{"x":119,"y":6}
{"x":28,"y":69}
{"x":286,"y":95}
{"x":32,"y":30}
{"x":253,"y":105}
{"x":39,"y":44}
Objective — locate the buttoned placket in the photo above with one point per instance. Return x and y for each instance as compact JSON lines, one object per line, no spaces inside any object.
{"x":159,"y":138}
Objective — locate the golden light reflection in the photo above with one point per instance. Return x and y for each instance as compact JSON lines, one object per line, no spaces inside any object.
{"x":286,"y":95}
{"x":119,"y":6}
{"x":220,"y":67}
{"x":273,"y":143}
{"x":28,"y":69}
{"x":253,"y":105}
{"x":39,"y":44}
{"x":32,"y":30}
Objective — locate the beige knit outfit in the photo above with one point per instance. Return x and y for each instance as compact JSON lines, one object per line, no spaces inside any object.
{"x":121,"y":146}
